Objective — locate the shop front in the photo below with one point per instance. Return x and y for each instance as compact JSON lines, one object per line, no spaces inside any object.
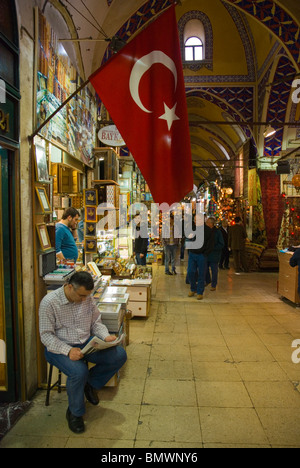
{"x":11,"y":326}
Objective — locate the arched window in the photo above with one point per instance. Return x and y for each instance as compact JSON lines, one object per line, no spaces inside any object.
{"x":193,"y":49}
{"x":196,"y":40}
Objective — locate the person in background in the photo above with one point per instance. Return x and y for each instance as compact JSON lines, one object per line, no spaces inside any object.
{"x":170,"y":244}
{"x":295,"y":261}
{"x":237,"y":243}
{"x":224,"y":260}
{"x":214,"y":257}
{"x":140,"y":243}
{"x":66,"y":235}
{"x":198,"y":258}
{"x":68,"y":319}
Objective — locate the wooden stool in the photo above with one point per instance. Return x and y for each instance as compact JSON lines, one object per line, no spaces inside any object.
{"x":56,"y":384}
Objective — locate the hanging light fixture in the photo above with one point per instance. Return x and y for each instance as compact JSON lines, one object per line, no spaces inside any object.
{"x":269,"y":131}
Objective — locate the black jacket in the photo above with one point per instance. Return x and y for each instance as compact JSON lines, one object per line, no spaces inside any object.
{"x":208,"y":244}
{"x":140,"y":245}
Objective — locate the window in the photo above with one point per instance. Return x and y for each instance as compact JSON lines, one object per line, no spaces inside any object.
{"x":196,"y":40}
{"x":193,"y":49}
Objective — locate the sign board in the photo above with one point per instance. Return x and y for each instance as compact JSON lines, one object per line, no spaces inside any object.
{"x":111,"y":136}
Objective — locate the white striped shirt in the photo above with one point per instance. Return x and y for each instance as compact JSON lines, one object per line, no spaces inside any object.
{"x":64,"y":324}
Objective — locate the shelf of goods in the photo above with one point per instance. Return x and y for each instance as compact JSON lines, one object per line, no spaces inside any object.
{"x":288,"y":278}
{"x":139,"y":291}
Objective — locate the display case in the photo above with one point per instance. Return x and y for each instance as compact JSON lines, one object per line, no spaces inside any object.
{"x":288,"y":278}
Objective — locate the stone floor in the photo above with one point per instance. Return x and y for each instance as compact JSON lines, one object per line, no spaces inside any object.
{"x":216,"y":373}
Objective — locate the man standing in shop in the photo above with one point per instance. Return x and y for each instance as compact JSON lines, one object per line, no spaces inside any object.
{"x":69,"y":318}
{"x":140,"y":240}
{"x":65,"y":235}
{"x":237,"y":243}
{"x":170,"y":245}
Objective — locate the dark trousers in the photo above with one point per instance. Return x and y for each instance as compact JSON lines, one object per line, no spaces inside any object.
{"x":108,"y":363}
{"x":224,"y":261}
{"x":240,"y":260}
{"x":213,"y":278}
{"x":141,"y":260}
{"x":196,"y":272}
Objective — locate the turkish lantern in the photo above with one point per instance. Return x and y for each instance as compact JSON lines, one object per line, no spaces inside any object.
{"x":296,"y":181}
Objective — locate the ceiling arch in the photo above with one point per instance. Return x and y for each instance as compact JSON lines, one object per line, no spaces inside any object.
{"x":232,"y":88}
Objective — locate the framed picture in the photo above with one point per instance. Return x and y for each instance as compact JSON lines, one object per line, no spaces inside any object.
{"x":90,"y":245}
{"x":91,"y":214}
{"x":43,"y":236}
{"x":90,"y":197}
{"x":90,"y":229}
{"x":43,"y":199}
{"x":41,"y":165}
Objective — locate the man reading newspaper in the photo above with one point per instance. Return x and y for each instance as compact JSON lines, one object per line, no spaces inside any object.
{"x":69,"y":318}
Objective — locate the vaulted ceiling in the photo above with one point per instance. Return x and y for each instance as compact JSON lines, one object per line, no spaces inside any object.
{"x":251,"y":45}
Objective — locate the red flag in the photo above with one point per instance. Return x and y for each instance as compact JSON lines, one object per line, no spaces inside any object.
{"x":142,"y":87}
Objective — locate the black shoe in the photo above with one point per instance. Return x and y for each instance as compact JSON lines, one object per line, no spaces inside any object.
{"x":91,"y":394}
{"x":174,"y":272}
{"x":76,"y":423}
{"x":169,"y":273}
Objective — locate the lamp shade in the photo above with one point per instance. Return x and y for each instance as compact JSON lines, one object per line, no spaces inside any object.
{"x":269,"y":131}
{"x":296,"y":181}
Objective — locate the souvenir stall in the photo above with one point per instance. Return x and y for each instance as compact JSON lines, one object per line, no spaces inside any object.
{"x":289,"y":238}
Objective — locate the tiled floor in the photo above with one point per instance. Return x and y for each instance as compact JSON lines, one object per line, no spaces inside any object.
{"x":216,"y":373}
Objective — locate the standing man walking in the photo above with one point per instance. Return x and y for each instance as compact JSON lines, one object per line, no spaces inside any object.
{"x":224,"y":261}
{"x":237,"y":243}
{"x":198,"y":258}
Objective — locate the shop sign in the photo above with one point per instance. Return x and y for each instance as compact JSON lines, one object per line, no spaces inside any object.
{"x":111,"y":136}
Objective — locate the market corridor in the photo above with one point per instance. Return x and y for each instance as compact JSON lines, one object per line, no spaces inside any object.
{"x":213,"y":374}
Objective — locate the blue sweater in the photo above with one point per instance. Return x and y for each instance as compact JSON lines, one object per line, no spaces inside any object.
{"x":294,"y":261}
{"x":65,"y":242}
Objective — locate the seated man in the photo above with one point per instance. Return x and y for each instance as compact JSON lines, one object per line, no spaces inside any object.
{"x":69,"y":317}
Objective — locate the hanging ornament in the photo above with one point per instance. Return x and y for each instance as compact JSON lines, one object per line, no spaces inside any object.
{"x":296,"y":182}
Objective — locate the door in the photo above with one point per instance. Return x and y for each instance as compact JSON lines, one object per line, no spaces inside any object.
{"x":8,"y":383}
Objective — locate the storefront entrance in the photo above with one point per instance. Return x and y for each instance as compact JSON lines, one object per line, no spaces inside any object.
{"x":11,"y":322}
{"x":7,"y":384}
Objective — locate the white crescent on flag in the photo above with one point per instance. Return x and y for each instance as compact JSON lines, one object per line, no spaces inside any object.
{"x":140,"y":68}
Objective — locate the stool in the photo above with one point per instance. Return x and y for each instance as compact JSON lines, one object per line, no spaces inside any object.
{"x":56,"y":384}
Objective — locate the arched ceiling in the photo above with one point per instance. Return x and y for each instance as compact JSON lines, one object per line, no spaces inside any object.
{"x":245,"y":51}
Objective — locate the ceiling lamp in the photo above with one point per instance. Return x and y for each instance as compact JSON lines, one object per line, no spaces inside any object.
{"x":269,"y":131}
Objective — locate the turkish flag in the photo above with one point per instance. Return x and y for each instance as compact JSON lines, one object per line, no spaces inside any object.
{"x":142,"y":87}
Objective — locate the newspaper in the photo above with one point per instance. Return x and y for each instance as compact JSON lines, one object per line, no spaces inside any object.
{"x":96,"y":344}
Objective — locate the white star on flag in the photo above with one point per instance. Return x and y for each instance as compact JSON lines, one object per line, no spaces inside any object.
{"x":169,"y":115}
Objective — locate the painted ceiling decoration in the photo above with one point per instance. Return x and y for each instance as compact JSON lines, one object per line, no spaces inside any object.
{"x":261,"y":34}
{"x":279,"y":22}
{"x":278,"y":103}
